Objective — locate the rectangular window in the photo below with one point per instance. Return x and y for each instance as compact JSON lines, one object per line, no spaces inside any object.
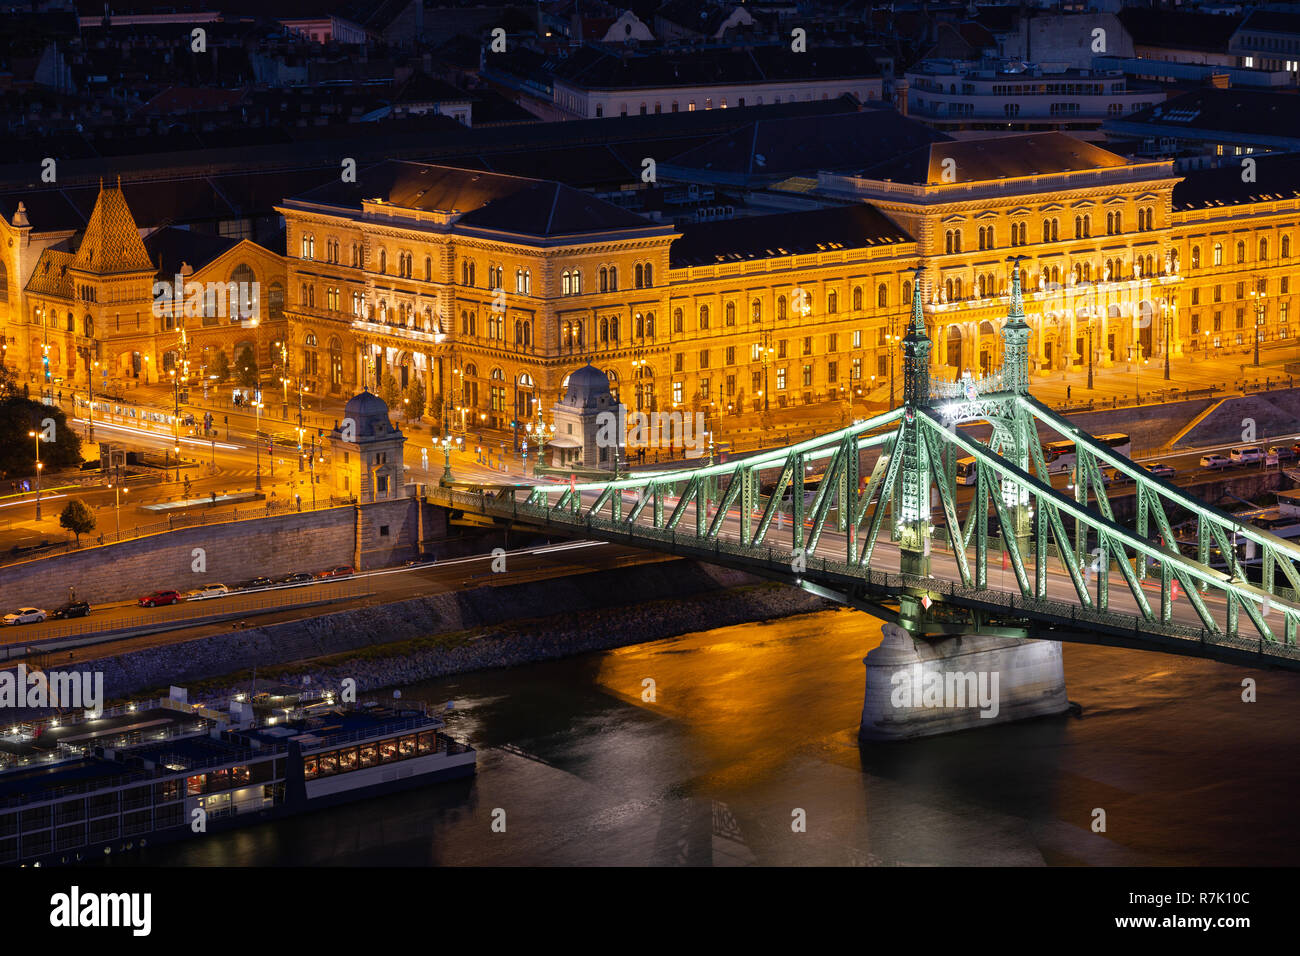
{"x":857,"y":338}
{"x":704,"y":358}
{"x":677,"y":393}
{"x":807,"y":376}
{"x":832,"y":371}
{"x":731,"y":355}
{"x":780,"y":379}
{"x":832,"y":342}
{"x":807,"y":345}
{"x":780,"y":348}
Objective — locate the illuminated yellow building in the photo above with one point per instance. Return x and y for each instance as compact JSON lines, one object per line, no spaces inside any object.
{"x":491,"y":289}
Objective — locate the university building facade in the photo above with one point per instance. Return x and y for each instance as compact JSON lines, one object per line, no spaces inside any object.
{"x":488,"y":290}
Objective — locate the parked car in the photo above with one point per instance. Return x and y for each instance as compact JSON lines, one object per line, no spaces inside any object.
{"x":342,"y":571}
{"x":25,"y":615}
{"x":157,"y":598}
{"x":1215,"y":462}
{"x":298,"y":577}
{"x":71,"y":609}
{"x":1283,"y":452}
{"x":207,"y":591}
{"x":1160,"y":469}
{"x":258,"y":582}
{"x":1246,"y":455}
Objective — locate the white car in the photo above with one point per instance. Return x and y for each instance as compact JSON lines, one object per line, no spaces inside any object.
{"x":25,"y":615}
{"x":1247,"y":455}
{"x":1214,"y":462}
{"x":207,"y":591}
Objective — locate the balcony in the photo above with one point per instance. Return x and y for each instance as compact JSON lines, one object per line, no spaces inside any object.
{"x":411,"y":331}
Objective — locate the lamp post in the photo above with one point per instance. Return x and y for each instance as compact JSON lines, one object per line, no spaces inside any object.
{"x":1167,"y":314}
{"x":117,"y":505}
{"x":445,"y":480}
{"x":1090,"y":351}
{"x":1259,"y":296}
{"x":257,"y":440}
{"x":37,"y":436}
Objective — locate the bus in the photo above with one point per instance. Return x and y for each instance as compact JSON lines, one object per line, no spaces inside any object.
{"x":1061,"y":456}
{"x":966,"y":470}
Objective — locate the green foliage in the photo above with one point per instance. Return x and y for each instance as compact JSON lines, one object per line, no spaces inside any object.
{"x":246,"y":366}
{"x":18,"y":416}
{"x":416,"y":398}
{"x":220,"y":367}
{"x":77,"y":518}
{"x":390,"y":393}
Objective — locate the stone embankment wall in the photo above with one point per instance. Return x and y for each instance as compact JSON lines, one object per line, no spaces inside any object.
{"x":469,"y":630}
{"x":311,"y":541}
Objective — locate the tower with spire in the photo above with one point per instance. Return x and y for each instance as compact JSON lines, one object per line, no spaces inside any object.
{"x":1015,"y":339}
{"x":916,"y":352}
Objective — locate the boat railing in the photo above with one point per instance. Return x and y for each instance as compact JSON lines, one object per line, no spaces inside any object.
{"x":385,"y":729}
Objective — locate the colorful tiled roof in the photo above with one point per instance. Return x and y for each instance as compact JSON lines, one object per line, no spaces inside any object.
{"x":112,"y":241}
{"x":50,"y":277}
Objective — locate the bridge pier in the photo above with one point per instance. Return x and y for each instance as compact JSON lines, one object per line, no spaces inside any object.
{"x":920,"y":688}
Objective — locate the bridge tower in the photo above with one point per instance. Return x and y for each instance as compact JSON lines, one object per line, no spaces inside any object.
{"x":913,"y":514}
{"x":1015,"y":381}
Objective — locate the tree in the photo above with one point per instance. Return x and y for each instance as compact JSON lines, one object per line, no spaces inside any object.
{"x":247,"y":367}
{"x":417,"y":398}
{"x":18,"y":417}
{"x":221,"y":366}
{"x":77,"y":518}
{"x":389,"y":392}
{"x":435,"y":407}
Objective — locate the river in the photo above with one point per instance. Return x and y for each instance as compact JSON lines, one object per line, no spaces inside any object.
{"x":755,"y":726}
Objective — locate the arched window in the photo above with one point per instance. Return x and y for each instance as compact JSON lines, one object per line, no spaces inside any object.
{"x":604,"y":279}
{"x":882,"y":295}
{"x":857,"y":298}
{"x":1263,"y":250}
{"x":638,"y":276}
{"x":780,"y":307}
{"x":1241,"y":252}
{"x":564,"y":283}
{"x":613,"y":278}
{"x":649,"y":275}
{"x":731,"y":313}
{"x":1196,"y":257}
{"x":428,"y":269}
{"x":1286,"y":247}
{"x":704,"y":317}
{"x":832,"y":303}
{"x":756,"y":311}
{"x":1218,"y":253}
{"x":907,"y":293}
{"x":650,"y":325}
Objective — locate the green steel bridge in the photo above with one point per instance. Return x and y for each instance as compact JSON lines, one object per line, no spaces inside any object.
{"x":888,"y":531}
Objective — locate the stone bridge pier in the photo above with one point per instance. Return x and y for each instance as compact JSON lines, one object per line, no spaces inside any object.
{"x":919,"y":687}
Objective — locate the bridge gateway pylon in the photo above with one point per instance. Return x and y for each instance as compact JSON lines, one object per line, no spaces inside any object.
{"x":918,"y":683}
{"x":1070,"y":570}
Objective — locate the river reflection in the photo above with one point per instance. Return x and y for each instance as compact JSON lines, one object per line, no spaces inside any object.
{"x":754,"y":726}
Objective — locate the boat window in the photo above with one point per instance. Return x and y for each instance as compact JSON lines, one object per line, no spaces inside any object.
{"x":408,"y":746}
{"x":347,"y":759}
{"x":309,"y":768}
{"x":427,"y":743}
{"x":387,"y":751}
{"x":329,"y":763}
{"x":369,"y":755}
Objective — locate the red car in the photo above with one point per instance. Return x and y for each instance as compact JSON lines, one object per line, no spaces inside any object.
{"x":155,"y":598}
{"x":341,"y":571}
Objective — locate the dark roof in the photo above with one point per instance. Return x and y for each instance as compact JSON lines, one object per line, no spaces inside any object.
{"x":1272,"y":21}
{"x":592,"y":67}
{"x":168,"y":248}
{"x":1185,"y":30}
{"x":789,"y":146}
{"x":1276,"y":175}
{"x":1000,"y":157}
{"x":1241,"y":111}
{"x":784,"y":234}
{"x":532,"y":207}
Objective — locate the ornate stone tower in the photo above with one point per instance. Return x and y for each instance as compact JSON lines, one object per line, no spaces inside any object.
{"x":1015,"y":339}
{"x":912,"y":514}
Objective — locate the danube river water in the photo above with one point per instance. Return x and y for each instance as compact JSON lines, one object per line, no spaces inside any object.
{"x":751,"y":724}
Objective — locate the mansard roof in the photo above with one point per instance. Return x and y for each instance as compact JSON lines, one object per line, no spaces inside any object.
{"x":784,"y":234}
{"x":50,"y":277}
{"x":516,"y":204}
{"x":1000,"y":157}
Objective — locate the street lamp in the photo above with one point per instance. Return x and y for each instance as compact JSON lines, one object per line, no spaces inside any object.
{"x":1167,"y":315}
{"x":36,"y":435}
{"x":1259,"y":295}
{"x":257,"y":440}
{"x":117,"y":505}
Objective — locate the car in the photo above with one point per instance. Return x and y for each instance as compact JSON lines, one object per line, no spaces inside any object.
{"x":157,"y":598}
{"x":258,"y":582}
{"x":298,"y":577}
{"x":1246,"y":455}
{"x":1215,"y":462}
{"x":207,"y":591}
{"x":342,"y":571}
{"x":1160,"y":469}
{"x":25,"y":615}
{"x":71,"y":609}
{"x":1283,"y":452}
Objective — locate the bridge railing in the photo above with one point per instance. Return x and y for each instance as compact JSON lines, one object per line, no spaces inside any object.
{"x":687,"y":543}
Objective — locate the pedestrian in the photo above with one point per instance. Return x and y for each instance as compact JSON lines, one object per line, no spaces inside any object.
{"x":1068,"y":390}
